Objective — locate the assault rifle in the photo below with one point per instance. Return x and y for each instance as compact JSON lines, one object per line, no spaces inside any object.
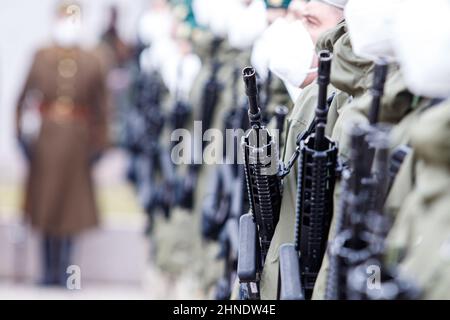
{"x":153,"y":174}
{"x":358,"y":193}
{"x":234,"y":200}
{"x":261,"y":160}
{"x":211,"y":90}
{"x":361,"y":225}
{"x":317,"y":163}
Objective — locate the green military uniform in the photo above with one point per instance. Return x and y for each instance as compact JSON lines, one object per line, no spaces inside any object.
{"x":401,"y":135}
{"x":301,"y":117}
{"x":399,"y":108}
{"x":420,"y":236}
{"x":208,"y":269}
{"x":177,"y":240}
{"x":395,"y":105}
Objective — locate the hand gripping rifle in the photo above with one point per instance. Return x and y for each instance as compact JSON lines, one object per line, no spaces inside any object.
{"x":316,"y":178}
{"x":256,"y":229}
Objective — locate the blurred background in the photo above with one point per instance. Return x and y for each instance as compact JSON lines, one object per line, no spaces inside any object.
{"x":114,"y":258}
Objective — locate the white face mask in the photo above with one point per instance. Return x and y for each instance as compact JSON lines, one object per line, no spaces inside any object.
{"x":154,"y":26}
{"x":263,"y":47}
{"x":422,"y":43}
{"x":221,"y":13}
{"x":370,"y":25}
{"x":158,"y":55}
{"x":248,"y":24}
{"x":67,"y":33}
{"x":292,"y":54}
{"x":202,"y":11}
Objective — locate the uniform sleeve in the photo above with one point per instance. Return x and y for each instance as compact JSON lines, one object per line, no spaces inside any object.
{"x":30,"y":82}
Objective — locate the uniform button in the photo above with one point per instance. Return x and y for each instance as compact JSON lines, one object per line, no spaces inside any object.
{"x":67,"y":68}
{"x":64,"y":101}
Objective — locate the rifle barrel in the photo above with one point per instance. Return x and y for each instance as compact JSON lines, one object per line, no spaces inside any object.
{"x":323,"y":80}
{"x":251,"y":90}
{"x":377,"y":91}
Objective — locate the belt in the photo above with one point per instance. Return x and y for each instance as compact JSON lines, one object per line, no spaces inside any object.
{"x":63,"y":111}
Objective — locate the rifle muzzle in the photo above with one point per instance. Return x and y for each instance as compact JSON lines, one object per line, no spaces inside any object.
{"x":251,"y":90}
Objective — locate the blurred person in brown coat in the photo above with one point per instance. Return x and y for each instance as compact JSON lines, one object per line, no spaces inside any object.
{"x":69,"y":83}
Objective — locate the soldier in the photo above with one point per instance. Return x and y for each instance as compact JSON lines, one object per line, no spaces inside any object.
{"x":419,"y":238}
{"x":177,"y":237}
{"x":219,"y":67}
{"x":276,"y":91}
{"x":274,"y":94}
{"x":60,"y":200}
{"x":398,"y":107}
{"x":302,"y":116}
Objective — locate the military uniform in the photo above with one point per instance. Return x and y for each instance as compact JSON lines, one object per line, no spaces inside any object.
{"x":181,"y":249}
{"x":419,"y":238}
{"x":300,"y":119}
{"x":210,"y":267}
{"x":60,"y":195}
{"x":399,"y":108}
{"x":395,"y":105}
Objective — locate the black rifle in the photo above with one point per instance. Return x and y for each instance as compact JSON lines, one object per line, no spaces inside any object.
{"x":387,"y":284}
{"x":350,"y":248}
{"x":229,"y":237}
{"x":210,"y":98}
{"x":264,"y":189}
{"x":314,"y":208}
{"x":217,"y":204}
{"x":180,"y":115}
{"x":234,"y":200}
{"x":358,"y":248}
{"x":280,"y":115}
{"x":154,"y":174}
{"x":211,"y":90}
{"x":361,"y":226}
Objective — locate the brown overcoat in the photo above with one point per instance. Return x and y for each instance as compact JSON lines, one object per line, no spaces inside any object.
{"x":59,"y":198}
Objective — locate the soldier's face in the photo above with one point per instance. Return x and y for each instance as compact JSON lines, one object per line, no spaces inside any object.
{"x":317,"y":16}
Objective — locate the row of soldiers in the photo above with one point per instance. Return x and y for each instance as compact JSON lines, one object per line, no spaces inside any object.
{"x":345,"y":158}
